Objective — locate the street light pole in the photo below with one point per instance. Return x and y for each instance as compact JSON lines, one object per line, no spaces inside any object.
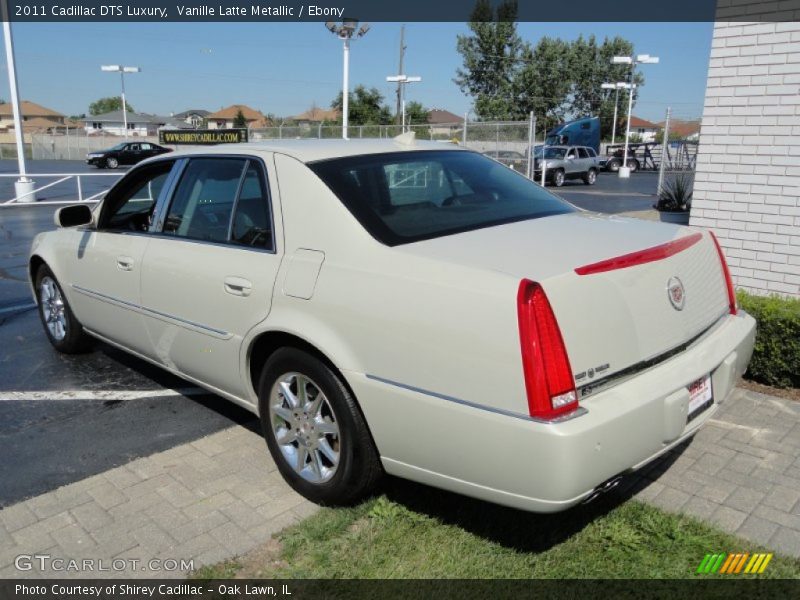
{"x":624,"y":170}
{"x":346,"y":31}
{"x":346,"y":87}
{"x":122,"y":70}
{"x":23,"y":186}
{"x":402,"y":80}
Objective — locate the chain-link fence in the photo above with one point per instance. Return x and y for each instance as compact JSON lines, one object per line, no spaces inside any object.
{"x":74,"y":144}
{"x":506,"y":141}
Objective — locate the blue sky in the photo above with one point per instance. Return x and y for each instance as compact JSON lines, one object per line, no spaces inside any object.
{"x":283,"y":68}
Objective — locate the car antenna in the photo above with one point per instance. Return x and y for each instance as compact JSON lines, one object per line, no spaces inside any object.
{"x":408,"y":138}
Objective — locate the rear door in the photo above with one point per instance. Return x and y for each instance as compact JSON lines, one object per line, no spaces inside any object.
{"x":208,"y":274}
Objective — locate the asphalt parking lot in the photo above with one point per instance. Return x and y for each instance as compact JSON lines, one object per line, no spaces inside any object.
{"x":52,"y":438}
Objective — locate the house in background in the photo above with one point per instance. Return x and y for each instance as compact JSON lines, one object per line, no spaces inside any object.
{"x":225,"y":118}
{"x":443,"y":122}
{"x":687,"y":130}
{"x":645,"y":129}
{"x":139,"y":124}
{"x":194,"y":117}
{"x":316,"y":116}
{"x":34,"y":117}
{"x":747,"y":183}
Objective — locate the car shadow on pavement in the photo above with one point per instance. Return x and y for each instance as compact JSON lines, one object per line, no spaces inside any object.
{"x":236,"y":414}
{"x":516,"y":529}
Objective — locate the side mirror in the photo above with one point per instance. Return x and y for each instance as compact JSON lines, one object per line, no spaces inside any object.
{"x":72,"y":216}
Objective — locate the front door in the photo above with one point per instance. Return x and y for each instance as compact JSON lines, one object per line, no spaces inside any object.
{"x":106,"y":269}
{"x":208,"y":276}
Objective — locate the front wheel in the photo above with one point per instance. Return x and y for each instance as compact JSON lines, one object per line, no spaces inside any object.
{"x":112,"y":163}
{"x":62,"y":327}
{"x":315,"y":431}
{"x":558,"y":178}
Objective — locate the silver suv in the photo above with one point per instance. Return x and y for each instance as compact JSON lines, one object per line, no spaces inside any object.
{"x":566,"y":162}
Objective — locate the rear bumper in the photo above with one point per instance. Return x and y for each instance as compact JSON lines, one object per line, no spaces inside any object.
{"x":551,"y":467}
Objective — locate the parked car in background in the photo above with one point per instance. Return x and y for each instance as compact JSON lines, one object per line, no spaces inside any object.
{"x":510,"y":158}
{"x":126,"y":153}
{"x":566,"y":162}
{"x":410,"y":308}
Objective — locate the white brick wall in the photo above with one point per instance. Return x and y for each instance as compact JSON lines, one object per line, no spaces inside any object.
{"x":747,"y":187}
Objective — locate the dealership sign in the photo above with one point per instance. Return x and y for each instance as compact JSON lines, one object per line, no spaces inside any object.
{"x":177,"y":137}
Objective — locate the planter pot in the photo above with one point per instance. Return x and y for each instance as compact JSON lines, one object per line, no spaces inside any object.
{"x":679,"y":218}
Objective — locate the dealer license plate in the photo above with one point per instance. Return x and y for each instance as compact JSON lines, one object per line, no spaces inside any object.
{"x":700,"y":396}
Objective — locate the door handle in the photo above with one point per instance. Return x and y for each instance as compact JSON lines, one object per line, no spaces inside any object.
{"x":124,"y":263}
{"x":238,"y":286}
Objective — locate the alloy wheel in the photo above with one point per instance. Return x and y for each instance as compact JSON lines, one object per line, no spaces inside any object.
{"x":305,"y":427}
{"x":53,"y":307}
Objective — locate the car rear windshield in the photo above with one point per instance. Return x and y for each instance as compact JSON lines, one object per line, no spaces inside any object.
{"x":404,"y":197}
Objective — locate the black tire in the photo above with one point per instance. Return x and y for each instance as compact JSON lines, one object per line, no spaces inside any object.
{"x":590,"y":177}
{"x":74,"y":340}
{"x":613,"y":165}
{"x":358,"y":469}
{"x":633,"y":165}
{"x":111,"y":163}
{"x":558,"y":177}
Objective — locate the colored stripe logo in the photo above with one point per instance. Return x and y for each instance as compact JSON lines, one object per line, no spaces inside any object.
{"x":734,"y":564}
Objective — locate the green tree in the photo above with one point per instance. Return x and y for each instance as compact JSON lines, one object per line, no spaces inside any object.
{"x":365,"y":107}
{"x":542,"y":84}
{"x":239,"y":121}
{"x":416,"y":113}
{"x":491,"y":55}
{"x":105,"y":105}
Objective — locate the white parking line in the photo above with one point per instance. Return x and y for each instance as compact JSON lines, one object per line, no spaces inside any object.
{"x":17,"y":307}
{"x":99,"y":394}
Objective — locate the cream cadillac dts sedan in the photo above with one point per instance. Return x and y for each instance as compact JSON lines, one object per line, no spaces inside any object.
{"x":404,"y":307}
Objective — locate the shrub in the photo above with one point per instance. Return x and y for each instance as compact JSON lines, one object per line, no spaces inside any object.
{"x":776,"y":357}
{"x":676,"y":195}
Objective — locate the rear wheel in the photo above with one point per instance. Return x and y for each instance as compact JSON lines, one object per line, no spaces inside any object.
{"x":558,"y":178}
{"x":613,"y":165}
{"x":63,"y":329}
{"x":112,"y":163}
{"x":590,"y":177}
{"x":633,"y":165}
{"x":315,"y":431}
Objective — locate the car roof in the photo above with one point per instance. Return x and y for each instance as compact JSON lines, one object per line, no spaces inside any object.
{"x":314,"y":150}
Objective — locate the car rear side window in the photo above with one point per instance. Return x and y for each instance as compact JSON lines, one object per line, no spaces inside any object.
{"x":251,"y":221}
{"x":582,"y":153}
{"x":403,"y":197}
{"x":221,"y":200}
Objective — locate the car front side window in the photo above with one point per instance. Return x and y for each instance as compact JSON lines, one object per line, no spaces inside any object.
{"x":130,"y":204}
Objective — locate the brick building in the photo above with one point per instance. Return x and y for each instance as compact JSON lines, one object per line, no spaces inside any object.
{"x":747,"y":186}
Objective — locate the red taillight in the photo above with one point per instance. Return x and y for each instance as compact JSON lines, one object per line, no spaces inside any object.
{"x":641,"y":257}
{"x":548,"y":376}
{"x":727,"y":274}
